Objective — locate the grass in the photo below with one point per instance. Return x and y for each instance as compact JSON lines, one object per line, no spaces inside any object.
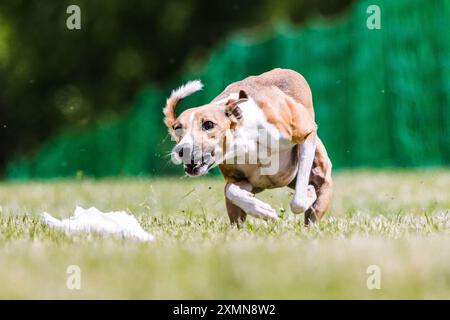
{"x":397,"y":220}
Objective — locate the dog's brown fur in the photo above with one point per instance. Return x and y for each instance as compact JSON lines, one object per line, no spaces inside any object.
{"x":285,"y":98}
{"x":263,"y":89}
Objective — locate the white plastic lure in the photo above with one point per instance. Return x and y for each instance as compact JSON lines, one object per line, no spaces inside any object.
{"x":118,"y":223}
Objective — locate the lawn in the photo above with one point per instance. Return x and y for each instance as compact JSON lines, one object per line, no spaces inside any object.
{"x":398,"y":221}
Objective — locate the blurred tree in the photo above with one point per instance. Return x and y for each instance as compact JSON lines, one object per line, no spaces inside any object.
{"x":52,"y":77}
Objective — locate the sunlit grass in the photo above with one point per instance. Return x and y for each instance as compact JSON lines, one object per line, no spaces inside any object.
{"x":399,"y":221}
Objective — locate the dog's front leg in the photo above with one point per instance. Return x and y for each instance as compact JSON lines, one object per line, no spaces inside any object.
{"x":239,"y":195}
{"x":304,"y":195}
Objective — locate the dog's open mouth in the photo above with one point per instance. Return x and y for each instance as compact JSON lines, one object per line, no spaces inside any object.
{"x":197,"y":169}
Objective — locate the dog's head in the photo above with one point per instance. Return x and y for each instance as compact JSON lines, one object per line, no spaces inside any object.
{"x":201,"y":132}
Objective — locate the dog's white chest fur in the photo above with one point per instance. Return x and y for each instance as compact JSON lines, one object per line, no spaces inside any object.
{"x":270,"y":159}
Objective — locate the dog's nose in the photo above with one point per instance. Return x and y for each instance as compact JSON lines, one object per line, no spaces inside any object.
{"x":184,"y":151}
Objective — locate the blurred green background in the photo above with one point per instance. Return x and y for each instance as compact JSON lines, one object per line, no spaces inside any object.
{"x":88,"y":102}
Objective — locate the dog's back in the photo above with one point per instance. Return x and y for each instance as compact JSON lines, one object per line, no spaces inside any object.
{"x":288,"y":81}
{"x":263,"y":89}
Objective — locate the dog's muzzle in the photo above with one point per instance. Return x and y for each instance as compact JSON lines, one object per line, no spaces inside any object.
{"x":195,"y":162}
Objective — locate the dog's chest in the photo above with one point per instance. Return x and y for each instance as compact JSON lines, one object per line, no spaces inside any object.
{"x":284,"y":171}
{"x":267,"y":159}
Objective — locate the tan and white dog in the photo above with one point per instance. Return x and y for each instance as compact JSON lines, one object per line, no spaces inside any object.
{"x":261,"y":133}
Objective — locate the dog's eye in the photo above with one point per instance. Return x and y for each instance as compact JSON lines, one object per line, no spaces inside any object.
{"x":178,"y":129}
{"x":208,"y":125}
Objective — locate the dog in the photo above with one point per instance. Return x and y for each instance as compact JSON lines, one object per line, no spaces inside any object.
{"x":226,"y":132}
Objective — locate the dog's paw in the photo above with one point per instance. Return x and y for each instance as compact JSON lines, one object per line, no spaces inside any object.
{"x":301,"y":204}
{"x":260,"y":209}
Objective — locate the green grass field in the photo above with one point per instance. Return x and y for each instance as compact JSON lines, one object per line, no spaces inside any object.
{"x":397,"y":220}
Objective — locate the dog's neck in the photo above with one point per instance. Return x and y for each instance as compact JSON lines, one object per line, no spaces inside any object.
{"x":256,"y":140}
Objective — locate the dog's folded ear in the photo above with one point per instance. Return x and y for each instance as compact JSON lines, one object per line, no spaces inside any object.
{"x":232,"y":109}
{"x":243,"y":95}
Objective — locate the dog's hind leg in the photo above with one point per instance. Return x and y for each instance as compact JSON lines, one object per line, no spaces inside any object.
{"x":320,"y":178}
{"x":236,"y":214}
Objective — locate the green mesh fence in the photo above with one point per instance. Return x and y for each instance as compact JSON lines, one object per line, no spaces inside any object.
{"x":381,"y":96}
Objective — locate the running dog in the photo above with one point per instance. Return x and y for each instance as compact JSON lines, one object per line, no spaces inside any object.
{"x":261,"y":133}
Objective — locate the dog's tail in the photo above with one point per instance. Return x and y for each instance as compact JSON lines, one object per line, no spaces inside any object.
{"x":176,"y":96}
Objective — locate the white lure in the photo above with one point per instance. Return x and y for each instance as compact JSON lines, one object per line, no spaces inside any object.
{"x":118,"y":223}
